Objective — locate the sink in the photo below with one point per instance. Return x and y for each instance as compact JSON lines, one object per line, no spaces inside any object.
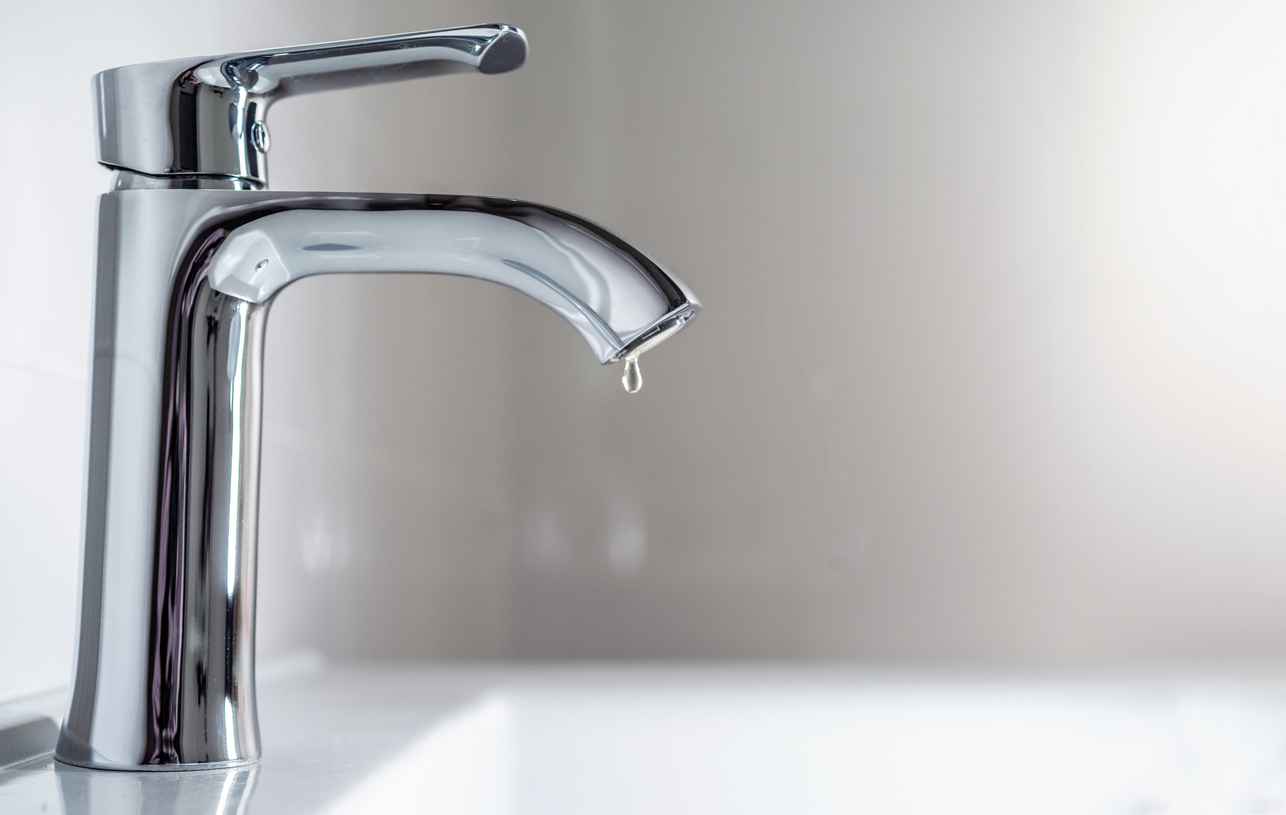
{"x":402,"y":737}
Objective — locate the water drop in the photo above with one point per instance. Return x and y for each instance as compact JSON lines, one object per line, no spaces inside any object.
{"x":632,"y":379}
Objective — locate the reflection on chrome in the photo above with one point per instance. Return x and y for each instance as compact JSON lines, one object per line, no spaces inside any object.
{"x":192,"y":252}
{"x":214,"y":792}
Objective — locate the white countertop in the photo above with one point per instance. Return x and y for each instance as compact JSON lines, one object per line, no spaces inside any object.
{"x":419,"y":737}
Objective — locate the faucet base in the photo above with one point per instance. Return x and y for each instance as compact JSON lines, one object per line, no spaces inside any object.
{"x":157,"y":768}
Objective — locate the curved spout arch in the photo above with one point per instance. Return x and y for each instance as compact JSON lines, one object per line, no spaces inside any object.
{"x":612,"y":294}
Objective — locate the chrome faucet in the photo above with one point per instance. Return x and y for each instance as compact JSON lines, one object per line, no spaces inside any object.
{"x":192,"y":249}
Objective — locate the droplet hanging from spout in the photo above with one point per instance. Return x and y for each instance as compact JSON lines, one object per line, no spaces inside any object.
{"x":632,"y":379}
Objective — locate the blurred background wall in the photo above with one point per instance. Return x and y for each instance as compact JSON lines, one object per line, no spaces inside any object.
{"x":993,"y":367}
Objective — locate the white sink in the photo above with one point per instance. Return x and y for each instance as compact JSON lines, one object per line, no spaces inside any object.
{"x":420,"y":738}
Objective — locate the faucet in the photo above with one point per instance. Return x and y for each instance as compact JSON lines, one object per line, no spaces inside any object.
{"x":192,"y":250}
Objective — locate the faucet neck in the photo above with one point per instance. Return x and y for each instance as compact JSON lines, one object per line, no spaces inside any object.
{"x":171,"y":505}
{"x":202,"y":631}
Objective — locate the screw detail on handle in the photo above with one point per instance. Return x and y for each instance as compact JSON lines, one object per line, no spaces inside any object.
{"x":259,"y":137}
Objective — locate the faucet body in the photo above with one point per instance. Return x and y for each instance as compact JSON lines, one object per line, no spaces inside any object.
{"x":188,"y":267}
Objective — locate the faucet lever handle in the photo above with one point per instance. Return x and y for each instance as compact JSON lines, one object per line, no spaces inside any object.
{"x":205,"y":116}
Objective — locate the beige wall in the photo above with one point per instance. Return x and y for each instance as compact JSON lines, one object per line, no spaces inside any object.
{"x":993,"y":367}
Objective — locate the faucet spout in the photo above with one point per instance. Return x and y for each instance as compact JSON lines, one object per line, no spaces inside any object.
{"x":165,"y":660}
{"x":617,"y":298}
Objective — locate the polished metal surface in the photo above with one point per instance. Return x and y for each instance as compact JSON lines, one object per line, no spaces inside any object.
{"x":207,"y":115}
{"x":613,"y":295}
{"x":188,"y":267}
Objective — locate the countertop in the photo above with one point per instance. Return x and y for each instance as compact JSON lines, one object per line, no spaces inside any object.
{"x":418,"y":737}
